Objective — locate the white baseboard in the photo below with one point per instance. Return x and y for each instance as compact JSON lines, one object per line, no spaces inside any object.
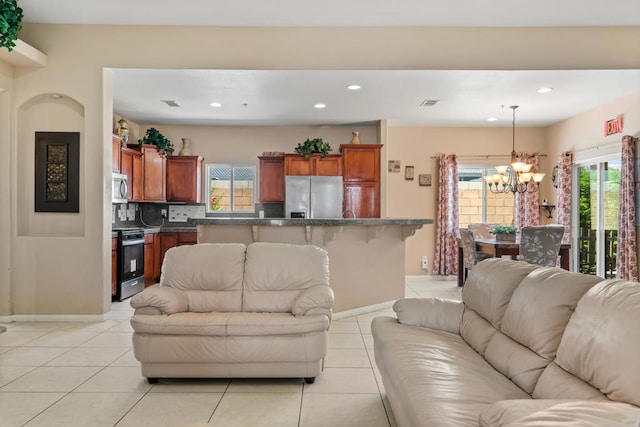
{"x":363,"y":310}
{"x":54,"y":318}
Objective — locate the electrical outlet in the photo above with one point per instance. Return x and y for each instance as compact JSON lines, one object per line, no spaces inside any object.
{"x":425,"y":263}
{"x":163,"y":212}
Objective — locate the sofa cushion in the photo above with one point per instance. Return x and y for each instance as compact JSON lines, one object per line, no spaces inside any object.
{"x":229,"y":324}
{"x":601,"y":344}
{"x":560,"y":413}
{"x":276,"y":273}
{"x":209,"y":273}
{"x":486,"y":295}
{"x":567,"y":414}
{"x":433,"y":377}
{"x":534,"y":320}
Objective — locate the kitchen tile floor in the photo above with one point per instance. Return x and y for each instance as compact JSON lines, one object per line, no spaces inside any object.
{"x":84,"y":374}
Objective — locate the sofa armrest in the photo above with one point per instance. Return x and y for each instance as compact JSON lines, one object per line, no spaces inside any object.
{"x":166,"y":299}
{"x":559,"y":413}
{"x":434,"y":313}
{"x":314,"y":300}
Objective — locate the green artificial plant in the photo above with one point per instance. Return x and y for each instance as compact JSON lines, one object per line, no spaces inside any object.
{"x":504,"y":229}
{"x":311,"y":146}
{"x":154,"y":137}
{"x":10,"y":19}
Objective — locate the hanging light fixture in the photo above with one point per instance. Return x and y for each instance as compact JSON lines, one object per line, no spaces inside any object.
{"x":516,"y":177}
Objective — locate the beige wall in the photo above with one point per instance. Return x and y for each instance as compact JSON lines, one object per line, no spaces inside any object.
{"x":77,"y":56}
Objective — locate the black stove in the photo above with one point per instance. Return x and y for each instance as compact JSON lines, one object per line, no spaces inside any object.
{"x":130,"y":264}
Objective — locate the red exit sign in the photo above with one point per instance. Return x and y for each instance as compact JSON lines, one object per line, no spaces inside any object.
{"x":613,"y":126}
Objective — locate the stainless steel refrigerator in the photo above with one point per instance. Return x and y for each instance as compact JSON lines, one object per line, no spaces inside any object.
{"x":313,"y":196}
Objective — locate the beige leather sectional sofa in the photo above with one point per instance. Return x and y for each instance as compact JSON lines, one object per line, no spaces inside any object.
{"x":230,"y":310}
{"x":527,"y":346}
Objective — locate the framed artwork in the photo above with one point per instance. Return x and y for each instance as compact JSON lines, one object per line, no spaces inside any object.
{"x":424,"y":180}
{"x":57,"y":175}
{"x":408,"y":173}
{"x":394,"y":166}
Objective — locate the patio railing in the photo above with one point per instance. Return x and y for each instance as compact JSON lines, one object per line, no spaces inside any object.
{"x":588,"y":257}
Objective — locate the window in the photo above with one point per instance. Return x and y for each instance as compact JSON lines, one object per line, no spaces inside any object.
{"x":231,"y":188}
{"x":476,"y":203}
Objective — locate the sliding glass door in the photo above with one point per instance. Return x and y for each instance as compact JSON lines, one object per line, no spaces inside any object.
{"x":596,"y":200}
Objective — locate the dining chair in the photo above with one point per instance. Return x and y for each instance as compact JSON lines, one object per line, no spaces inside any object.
{"x":482,"y":230}
{"x":541,"y":245}
{"x":470,"y":253}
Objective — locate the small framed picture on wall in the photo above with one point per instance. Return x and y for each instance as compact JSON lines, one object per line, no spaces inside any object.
{"x":408,"y":173}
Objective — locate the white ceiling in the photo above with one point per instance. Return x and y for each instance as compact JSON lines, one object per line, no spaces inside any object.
{"x":466,"y":98}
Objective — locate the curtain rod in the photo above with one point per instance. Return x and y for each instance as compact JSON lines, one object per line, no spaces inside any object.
{"x":487,"y":156}
{"x":598,"y":147}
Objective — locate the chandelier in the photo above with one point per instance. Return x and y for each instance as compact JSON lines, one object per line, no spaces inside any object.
{"x":516,"y":177}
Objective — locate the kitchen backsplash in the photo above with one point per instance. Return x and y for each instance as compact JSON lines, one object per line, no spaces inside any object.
{"x":150,"y":214}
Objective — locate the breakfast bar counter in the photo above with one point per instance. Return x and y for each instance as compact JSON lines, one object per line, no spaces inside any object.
{"x":366,"y":255}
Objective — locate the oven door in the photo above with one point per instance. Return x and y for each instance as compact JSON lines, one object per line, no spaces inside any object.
{"x":131,"y":255}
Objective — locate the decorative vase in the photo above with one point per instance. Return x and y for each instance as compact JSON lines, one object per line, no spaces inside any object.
{"x":186,"y":147}
{"x":356,"y":138}
{"x":123,"y":131}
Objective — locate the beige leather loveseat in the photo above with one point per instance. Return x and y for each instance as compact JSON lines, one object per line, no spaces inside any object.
{"x":230,"y":310}
{"x":527,"y":346}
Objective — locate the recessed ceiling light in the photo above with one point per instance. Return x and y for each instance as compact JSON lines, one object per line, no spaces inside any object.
{"x":353,"y":87}
{"x":492,"y":119}
{"x":216,"y":104}
{"x":320,"y":105}
{"x":544,"y":90}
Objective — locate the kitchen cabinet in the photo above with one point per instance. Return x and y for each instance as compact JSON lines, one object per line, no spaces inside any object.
{"x":151,"y":259}
{"x":116,"y":146}
{"x":184,"y":179}
{"x":361,"y":179}
{"x":331,"y":165}
{"x":171,"y":239}
{"x":154,"y":174}
{"x":131,"y":166}
{"x":114,"y":266}
{"x":271,"y":179}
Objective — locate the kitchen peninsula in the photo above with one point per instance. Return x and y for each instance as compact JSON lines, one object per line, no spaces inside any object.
{"x":366,"y":256}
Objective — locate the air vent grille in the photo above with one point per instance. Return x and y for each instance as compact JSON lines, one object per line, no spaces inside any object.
{"x":171,"y":103}
{"x":429,"y":102}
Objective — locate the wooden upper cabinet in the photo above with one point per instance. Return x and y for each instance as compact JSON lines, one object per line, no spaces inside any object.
{"x":361,"y":162}
{"x":154,"y":172}
{"x":131,"y":166}
{"x":331,"y":165}
{"x":184,"y":179}
{"x":271,"y":179}
{"x":116,"y":146}
{"x":362,"y":179}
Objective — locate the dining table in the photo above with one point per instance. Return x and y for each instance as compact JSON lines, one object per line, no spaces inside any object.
{"x":499,"y":248}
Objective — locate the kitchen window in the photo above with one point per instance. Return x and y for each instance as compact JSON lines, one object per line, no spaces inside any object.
{"x":476,"y":203}
{"x":230,"y":187}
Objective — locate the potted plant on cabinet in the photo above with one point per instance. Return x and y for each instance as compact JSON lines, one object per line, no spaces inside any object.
{"x":505,"y":233}
{"x":311,"y":146}
{"x":154,"y":137}
{"x":10,"y":19}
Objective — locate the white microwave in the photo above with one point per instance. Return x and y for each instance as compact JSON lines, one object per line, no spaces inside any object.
{"x":119,"y":188}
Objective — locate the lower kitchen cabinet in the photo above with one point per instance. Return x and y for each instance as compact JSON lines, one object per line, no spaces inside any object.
{"x":151,"y":273}
{"x":171,"y":239}
{"x":114,"y":266}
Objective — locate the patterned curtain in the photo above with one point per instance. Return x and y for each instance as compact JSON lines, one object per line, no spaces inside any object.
{"x":528,"y":204}
{"x":627,"y":258}
{"x":446,"y":256}
{"x":565,"y":161}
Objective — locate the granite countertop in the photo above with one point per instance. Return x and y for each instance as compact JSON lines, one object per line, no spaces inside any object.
{"x":329,"y":222}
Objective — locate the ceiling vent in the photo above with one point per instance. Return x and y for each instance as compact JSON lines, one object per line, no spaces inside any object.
{"x":429,"y":102}
{"x":171,"y":103}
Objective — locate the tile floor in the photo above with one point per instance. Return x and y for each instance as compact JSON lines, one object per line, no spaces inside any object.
{"x":84,"y":374}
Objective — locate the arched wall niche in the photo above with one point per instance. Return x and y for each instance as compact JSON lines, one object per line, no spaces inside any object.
{"x":47,"y":112}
